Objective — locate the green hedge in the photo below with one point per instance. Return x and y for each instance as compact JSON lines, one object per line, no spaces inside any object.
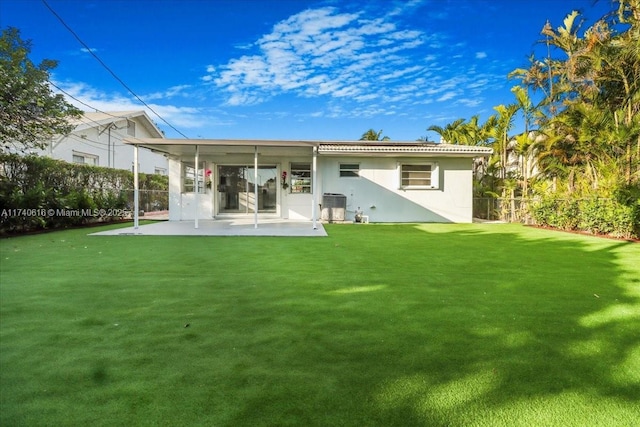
{"x":42,"y":193}
{"x":617,"y":217}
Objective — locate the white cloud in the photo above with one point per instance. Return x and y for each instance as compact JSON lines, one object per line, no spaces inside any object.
{"x":367,"y":97}
{"x":472,"y":103}
{"x":362,"y":64}
{"x":169,"y":93}
{"x":399,"y":73}
{"x":320,"y":52}
{"x":243,"y":99}
{"x":406,"y":6}
{"x":245,"y":46}
{"x":478,"y":83}
{"x":88,"y":98}
{"x":447,"y":96}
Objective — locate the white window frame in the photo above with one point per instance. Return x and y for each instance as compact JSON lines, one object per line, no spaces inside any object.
{"x":301,"y":178}
{"x":85,"y":156}
{"x":188,"y":178}
{"x":433,"y":176}
{"x":349,"y":170}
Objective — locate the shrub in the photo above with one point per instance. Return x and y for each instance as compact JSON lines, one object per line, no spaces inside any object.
{"x":618,"y":217}
{"x":544,"y":212}
{"x":32,"y":188}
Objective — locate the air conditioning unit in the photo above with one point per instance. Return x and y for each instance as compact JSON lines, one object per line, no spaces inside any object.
{"x":333,"y":207}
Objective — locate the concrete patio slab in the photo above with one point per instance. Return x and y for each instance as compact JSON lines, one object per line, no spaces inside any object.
{"x":222,"y":227}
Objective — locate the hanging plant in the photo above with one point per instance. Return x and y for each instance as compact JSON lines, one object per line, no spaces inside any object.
{"x":284,"y":180}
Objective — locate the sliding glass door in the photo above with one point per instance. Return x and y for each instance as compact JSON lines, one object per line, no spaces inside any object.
{"x":237,"y":185}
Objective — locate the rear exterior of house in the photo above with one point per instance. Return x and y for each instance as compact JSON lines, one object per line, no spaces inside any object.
{"x":386,"y":182}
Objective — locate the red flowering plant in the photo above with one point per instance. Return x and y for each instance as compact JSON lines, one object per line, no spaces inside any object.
{"x":284,"y":180}
{"x":208,"y":178}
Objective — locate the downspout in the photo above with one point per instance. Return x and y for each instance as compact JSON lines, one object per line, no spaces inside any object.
{"x":136,"y":202}
{"x":255,"y":186}
{"x":195,"y":186}
{"x":314,"y":186}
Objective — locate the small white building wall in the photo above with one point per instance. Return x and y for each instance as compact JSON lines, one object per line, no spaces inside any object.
{"x":378,"y":194}
{"x":296,"y":206}
{"x":93,"y":142}
{"x":182,"y":206}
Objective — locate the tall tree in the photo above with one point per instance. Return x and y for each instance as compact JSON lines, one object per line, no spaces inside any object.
{"x":525,"y":146}
{"x":614,"y":59}
{"x":592,"y":97}
{"x":451,"y":133}
{"x":504,"y":124}
{"x":30,"y":113}
{"x":372,"y":135}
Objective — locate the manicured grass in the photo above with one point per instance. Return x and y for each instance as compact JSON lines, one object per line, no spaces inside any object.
{"x":376,"y":325}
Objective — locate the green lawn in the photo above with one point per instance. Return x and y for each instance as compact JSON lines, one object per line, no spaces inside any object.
{"x":375,"y":325}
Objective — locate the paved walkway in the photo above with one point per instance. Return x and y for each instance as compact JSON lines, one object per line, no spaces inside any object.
{"x":223,"y":227}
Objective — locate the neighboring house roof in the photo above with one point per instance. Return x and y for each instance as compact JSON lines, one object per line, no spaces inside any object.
{"x":186,"y":147}
{"x":92,"y":119}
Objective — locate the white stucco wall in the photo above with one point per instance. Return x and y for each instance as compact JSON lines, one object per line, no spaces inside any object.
{"x":182,"y":206}
{"x":377,"y":191}
{"x":91,"y":141}
{"x":296,"y":206}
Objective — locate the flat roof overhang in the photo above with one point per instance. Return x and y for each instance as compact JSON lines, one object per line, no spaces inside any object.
{"x":185,"y":148}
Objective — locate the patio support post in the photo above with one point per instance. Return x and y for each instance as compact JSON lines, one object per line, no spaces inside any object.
{"x":255,"y":186}
{"x":196,"y":188}
{"x":314,"y":187}
{"x":136,"y":201}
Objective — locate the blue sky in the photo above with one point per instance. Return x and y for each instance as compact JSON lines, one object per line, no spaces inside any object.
{"x":292,"y":69}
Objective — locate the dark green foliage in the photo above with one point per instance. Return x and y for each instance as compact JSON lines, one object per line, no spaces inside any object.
{"x":31,"y":114}
{"x":616,"y":217}
{"x":153,"y":182}
{"x":32,"y":187}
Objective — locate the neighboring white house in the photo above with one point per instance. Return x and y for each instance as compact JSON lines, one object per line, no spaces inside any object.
{"x":386,"y":181}
{"x":97,"y":140}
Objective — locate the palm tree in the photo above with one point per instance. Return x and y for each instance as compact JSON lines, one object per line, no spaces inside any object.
{"x":451,"y":133}
{"x":525,"y":142}
{"x":504,"y":123}
{"x":372,"y":135}
{"x":615,"y":71}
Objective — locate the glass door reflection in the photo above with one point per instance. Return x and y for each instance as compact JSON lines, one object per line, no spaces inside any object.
{"x":236,"y":189}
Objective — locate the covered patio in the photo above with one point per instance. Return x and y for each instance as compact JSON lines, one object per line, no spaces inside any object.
{"x":236,"y":226}
{"x":219,"y":158}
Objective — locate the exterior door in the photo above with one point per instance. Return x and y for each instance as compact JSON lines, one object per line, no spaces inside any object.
{"x":236,"y":189}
